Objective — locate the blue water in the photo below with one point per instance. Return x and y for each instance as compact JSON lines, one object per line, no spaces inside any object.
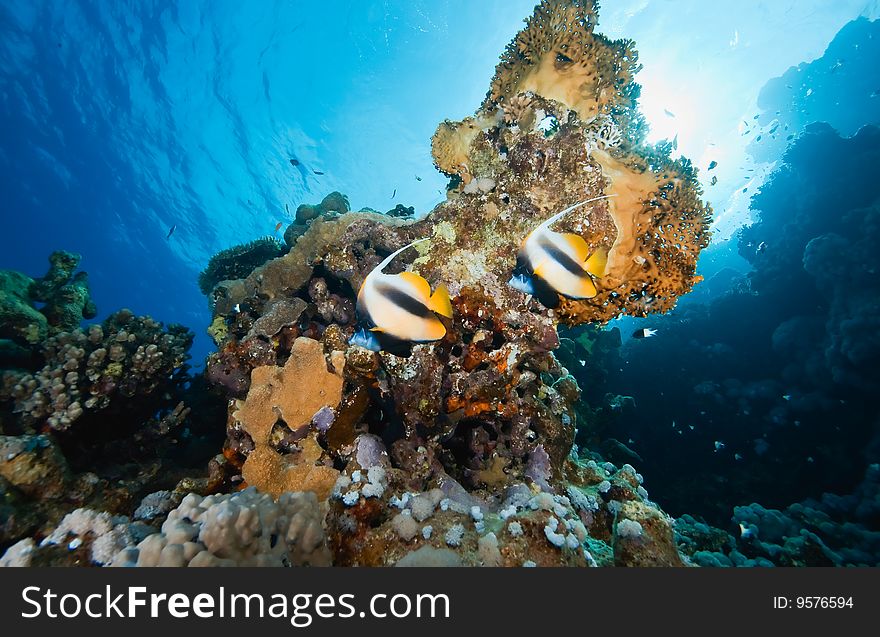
{"x":121,"y":120}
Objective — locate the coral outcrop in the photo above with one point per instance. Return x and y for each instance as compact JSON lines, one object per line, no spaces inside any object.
{"x":237,"y":262}
{"x":63,"y":295}
{"x":463,"y":451}
{"x":479,"y":404}
{"x":107,"y":367}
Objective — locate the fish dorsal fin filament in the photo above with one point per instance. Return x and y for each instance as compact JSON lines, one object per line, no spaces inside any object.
{"x":379,"y":268}
{"x":559,"y":215}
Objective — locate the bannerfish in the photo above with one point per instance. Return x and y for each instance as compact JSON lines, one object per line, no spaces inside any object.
{"x":278,"y":226}
{"x":645,"y":332}
{"x":171,"y":232}
{"x":397,"y":310}
{"x":550,"y":264}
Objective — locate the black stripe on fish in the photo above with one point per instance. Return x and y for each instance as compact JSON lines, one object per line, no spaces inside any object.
{"x":394,"y":345}
{"x":522,"y":267}
{"x":563,"y":259}
{"x":404,"y":301}
{"x":544,"y":292}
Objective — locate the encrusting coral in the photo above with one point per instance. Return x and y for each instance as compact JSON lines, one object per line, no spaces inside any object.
{"x":286,"y":455}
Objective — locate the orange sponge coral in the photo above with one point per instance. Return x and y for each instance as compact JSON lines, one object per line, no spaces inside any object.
{"x":278,"y":398}
{"x":559,"y":57}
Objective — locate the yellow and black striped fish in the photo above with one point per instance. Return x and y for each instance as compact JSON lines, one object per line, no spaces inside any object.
{"x":550,"y":264}
{"x":397,"y":310}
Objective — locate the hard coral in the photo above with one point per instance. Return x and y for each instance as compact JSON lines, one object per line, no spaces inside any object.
{"x":237,"y":262}
{"x":63,"y":294}
{"x":241,"y":529}
{"x":103,"y":368}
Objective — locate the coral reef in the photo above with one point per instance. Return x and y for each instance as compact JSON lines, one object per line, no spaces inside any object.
{"x":63,"y":295}
{"x":100,"y":369}
{"x":486,"y":396}
{"x":839,"y":88}
{"x":102,"y":414}
{"x":774,"y":401}
{"x":831,"y":531}
{"x":237,"y":262}
{"x":240,"y":529}
{"x":463,"y":451}
{"x":490,"y":406}
{"x":375,"y":521}
{"x":334,"y":203}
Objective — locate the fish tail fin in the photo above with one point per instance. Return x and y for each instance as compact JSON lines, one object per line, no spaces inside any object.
{"x":440,"y":302}
{"x":597,"y":262}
